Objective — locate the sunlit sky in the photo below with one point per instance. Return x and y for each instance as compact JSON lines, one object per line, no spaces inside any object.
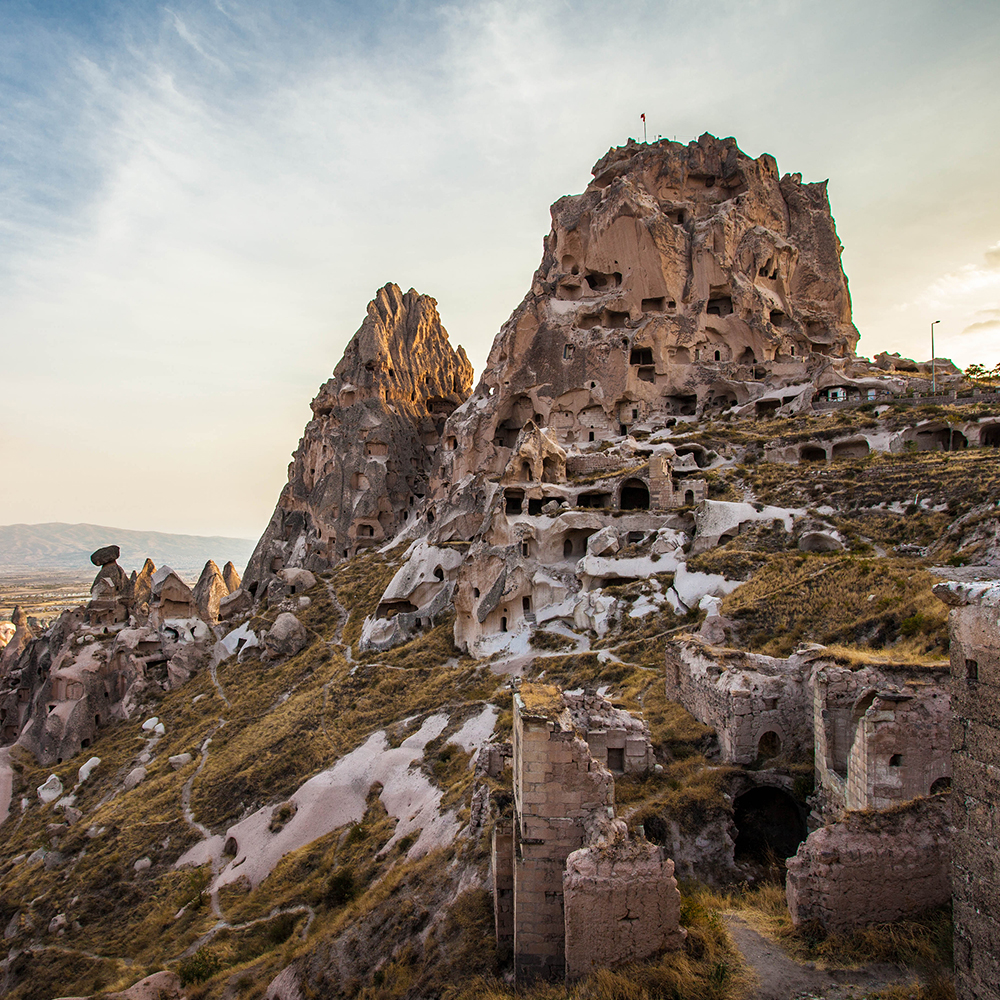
{"x":200,"y":198}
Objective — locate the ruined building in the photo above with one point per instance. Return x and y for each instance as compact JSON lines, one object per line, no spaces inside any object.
{"x":880,"y":739}
{"x":572,"y":893}
{"x":974,"y":624}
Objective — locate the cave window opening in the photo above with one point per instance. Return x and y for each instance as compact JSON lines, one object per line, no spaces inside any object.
{"x":722,"y":306}
{"x":513,"y":501}
{"x":475,"y":591}
{"x":896,"y":760}
{"x":526,"y":472}
{"x":688,"y":497}
{"x":940,"y":785}
{"x":438,"y":573}
{"x":430,"y":517}
{"x":653,"y":305}
{"x":590,"y":436}
{"x":989,"y":436}
{"x":635,"y":414}
{"x":777,"y":318}
{"x":769,"y":745}
{"x":567,"y":548}
{"x":768,"y":821}
{"x":568,"y":350}
{"x":718,"y":355}
{"x":535,"y":505}
{"x":623,"y":429}
{"x":525,"y":549}
{"x":526,"y":604}
{"x":615,"y":319}
{"x":593,"y":385}
{"x":84,"y":744}
{"x":641,"y":356}
{"x":972,"y":670}
{"x":503,"y":624}
{"x":616,"y":759}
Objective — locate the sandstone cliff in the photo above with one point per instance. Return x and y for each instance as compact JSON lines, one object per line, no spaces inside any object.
{"x":362,"y":468}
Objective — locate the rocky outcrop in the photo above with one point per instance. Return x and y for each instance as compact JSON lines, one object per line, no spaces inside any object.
{"x":362,"y":468}
{"x":137,"y":637}
{"x":681,"y":279}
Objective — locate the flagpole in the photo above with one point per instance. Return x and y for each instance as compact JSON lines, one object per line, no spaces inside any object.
{"x":644,"y":129}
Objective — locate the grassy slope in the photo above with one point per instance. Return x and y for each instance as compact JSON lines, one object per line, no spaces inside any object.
{"x":364,"y":913}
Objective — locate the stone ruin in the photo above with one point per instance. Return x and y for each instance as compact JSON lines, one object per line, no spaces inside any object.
{"x":139,"y":634}
{"x":880,"y":738}
{"x":974,"y":624}
{"x":572,"y":892}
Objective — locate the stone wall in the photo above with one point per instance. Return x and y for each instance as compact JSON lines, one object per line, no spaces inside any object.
{"x":871,"y":868}
{"x":571,"y":892}
{"x":622,"y":905}
{"x":558,"y":788}
{"x":758,"y":705}
{"x":975,"y":677}
{"x":880,"y":735}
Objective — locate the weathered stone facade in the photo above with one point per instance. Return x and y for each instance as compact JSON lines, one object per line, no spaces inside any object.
{"x":570,"y":863}
{"x":880,"y":734}
{"x":974,"y":623}
{"x":872,"y":867}
{"x":758,"y":705}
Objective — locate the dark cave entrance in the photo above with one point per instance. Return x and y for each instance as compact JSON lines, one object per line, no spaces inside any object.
{"x":769,"y":822}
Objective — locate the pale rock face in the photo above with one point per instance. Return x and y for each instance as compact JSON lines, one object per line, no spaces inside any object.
{"x":50,"y":790}
{"x":363,"y":465}
{"x":231,"y":576}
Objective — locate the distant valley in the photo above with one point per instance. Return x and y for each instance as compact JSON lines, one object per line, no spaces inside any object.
{"x":27,"y":549}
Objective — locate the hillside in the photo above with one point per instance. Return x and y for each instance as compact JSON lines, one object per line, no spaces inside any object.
{"x":542,"y":678}
{"x":56,"y":547}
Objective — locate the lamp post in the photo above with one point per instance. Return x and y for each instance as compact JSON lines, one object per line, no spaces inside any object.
{"x":933,"y":371}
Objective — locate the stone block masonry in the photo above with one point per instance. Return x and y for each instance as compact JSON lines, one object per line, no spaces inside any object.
{"x":872,"y":867}
{"x":571,"y":892}
{"x":974,"y":624}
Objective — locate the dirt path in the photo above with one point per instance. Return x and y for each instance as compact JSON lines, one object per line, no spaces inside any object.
{"x":782,"y":978}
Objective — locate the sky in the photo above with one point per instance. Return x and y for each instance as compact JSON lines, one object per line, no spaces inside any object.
{"x":199,"y":199}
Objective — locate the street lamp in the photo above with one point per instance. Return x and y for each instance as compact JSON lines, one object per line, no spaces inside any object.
{"x":933,"y":373}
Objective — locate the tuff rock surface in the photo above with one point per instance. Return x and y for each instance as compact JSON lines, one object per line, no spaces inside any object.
{"x":362,"y":468}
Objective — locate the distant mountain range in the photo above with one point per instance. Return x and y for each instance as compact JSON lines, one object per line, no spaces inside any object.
{"x":55,"y":547}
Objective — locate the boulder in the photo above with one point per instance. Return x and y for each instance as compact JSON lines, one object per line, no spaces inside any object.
{"x":50,"y":790}
{"x":287,"y":636}
{"x":135,"y":777}
{"x":106,"y":555}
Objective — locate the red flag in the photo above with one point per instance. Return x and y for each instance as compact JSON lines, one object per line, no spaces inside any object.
{"x":643,"y":117}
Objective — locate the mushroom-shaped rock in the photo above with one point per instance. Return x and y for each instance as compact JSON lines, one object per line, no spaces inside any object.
{"x":50,"y":790}
{"x":286,"y":637}
{"x":106,"y":555}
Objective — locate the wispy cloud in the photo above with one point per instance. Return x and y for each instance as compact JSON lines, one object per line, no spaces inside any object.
{"x":202,"y":199}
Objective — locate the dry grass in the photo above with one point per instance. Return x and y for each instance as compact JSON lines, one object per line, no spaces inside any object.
{"x":708,"y":967}
{"x":922,"y":943}
{"x":841,"y":600}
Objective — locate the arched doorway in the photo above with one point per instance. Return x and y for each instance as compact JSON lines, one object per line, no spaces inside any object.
{"x":768,"y":821}
{"x":634,"y":495}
